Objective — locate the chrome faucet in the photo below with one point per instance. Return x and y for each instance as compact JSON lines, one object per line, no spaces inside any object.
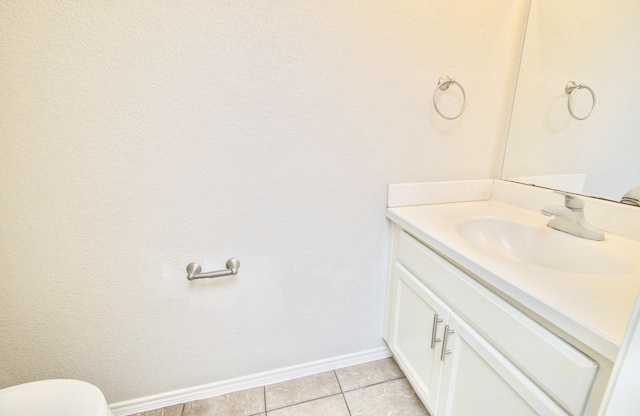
{"x":570,"y":218}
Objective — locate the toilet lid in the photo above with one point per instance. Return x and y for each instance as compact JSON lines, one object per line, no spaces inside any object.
{"x":53,"y":398}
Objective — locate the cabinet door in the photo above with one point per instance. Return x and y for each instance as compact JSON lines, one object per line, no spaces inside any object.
{"x":418,"y":326}
{"x":478,"y":380}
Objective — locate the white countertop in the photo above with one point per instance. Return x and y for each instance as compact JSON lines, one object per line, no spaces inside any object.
{"x":595,"y":309}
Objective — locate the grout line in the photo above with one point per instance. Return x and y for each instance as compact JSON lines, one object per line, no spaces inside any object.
{"x":338,"y":380}
{"x":306,"y":401}
{"x":342,"y":392}
{"x":346,"y":403}
{"x":264,"y":395}
{"x":182,"y":411}
{"x":376,"y":384}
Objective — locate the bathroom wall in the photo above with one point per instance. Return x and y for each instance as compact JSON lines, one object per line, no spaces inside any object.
{"x":137,"y":137}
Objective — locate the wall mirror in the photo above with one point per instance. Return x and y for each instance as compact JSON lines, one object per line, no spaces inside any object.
{"x":596,"y":44}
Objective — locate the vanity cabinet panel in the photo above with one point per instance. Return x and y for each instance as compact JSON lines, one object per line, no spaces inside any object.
{"x":562,"y":371}
{"x":478,"y":380}
{"x":416,"y":336}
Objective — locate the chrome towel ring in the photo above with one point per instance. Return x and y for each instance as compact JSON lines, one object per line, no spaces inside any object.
{"x":572,"y":87}
{"x":443,"y":84}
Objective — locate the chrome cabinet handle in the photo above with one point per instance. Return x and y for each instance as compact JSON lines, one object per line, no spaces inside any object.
{"x":445,"y":351}
{"x":436,"y":320}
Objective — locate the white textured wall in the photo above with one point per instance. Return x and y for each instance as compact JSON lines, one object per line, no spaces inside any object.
{"x":137,"y":137}
{"x":589,"y":42}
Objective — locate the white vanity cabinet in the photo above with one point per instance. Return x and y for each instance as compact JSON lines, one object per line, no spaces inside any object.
{"x":496,"y":360}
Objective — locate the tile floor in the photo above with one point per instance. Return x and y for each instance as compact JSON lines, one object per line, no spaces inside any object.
{"x":370,"y":389}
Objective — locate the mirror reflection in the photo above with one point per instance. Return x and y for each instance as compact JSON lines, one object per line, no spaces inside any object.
{"x":593,"y":44}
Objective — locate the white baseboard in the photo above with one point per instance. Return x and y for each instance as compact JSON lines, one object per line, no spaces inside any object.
{"x":204,"y":391}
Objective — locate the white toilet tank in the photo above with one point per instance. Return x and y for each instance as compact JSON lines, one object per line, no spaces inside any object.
{"x":53,"y":398}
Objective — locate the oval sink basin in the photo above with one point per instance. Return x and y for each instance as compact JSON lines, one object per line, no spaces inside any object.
{"x":539,"y":246}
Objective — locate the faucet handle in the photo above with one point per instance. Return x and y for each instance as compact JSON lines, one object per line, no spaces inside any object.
{"x":571,"y":201}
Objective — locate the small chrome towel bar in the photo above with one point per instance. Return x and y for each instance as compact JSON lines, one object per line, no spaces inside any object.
{"x":194,"y":269}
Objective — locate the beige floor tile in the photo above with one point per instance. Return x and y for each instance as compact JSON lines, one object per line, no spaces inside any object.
{"x":394,"y":397}
{"x":367,"y":374}
{"x":241,"y":403}
{"x":175,"y":410}
{"x":332,"y":405}
{"x":301,"y":390}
